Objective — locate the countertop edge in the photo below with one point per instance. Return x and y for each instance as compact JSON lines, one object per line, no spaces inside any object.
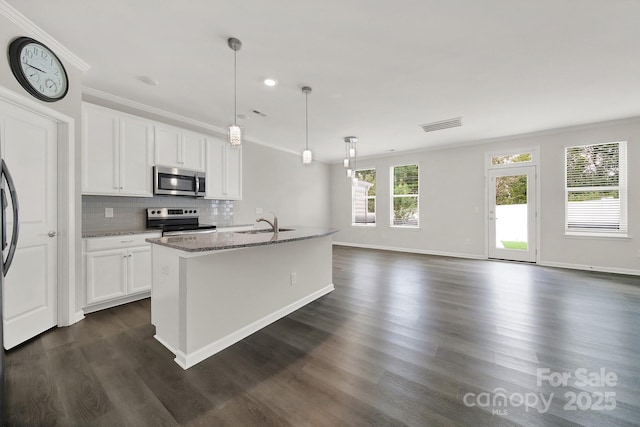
{"x":163,"y":241}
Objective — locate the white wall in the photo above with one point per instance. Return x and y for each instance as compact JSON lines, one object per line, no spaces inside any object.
{"x":278,"y":181}
{"x":453,"y":201}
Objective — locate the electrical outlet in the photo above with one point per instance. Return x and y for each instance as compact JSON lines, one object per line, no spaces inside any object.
{"x":108,"y":212}
{"x":294,"y":278}
{"x":259,"y":211}
{"x":215,"y":211}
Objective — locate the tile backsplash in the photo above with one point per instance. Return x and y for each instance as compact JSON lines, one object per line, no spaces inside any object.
{"x":129,"y":213}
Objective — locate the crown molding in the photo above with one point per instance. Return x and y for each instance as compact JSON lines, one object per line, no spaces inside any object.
{"x":177,"y":117}
{"x":33,"y":30}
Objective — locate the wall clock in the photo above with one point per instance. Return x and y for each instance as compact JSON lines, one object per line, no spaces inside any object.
{"x":38,"y":69}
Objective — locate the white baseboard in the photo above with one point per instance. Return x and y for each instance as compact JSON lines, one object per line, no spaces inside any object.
{"x":78,"y":316}
{"x":116,"y":302}
{"x":188,"y":360}
{"x":628,"y":271}
{"x":411,"y":250}
{"x":164,"y":343}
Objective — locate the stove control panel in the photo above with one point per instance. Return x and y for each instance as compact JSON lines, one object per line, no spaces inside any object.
{"x":172,"y":212}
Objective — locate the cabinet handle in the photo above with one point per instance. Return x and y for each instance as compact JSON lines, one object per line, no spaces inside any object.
{"x":126,"y":241}
{"x":129,"y":255}
{"x":124,"y":256}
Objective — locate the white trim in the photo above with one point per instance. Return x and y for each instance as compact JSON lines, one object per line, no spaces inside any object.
{"x":36,"y":32}
{"x":116,"y":302}
{"x":78,"y":316}
{"x":599,"y":268}
{"x":169,"y":347}
{"x":66,"y":286}
{"x":185,"y":361}
{"x":410,"y":250}
{"x":218,"y":131}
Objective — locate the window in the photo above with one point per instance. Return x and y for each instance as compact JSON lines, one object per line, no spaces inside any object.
{"x":404,"y":202}
{"x":596,"y":189}
{"x":363,"y":210}
{"x":511,"y":158}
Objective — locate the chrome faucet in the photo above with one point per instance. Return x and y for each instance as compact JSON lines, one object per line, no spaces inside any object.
{"x":274,"y":224}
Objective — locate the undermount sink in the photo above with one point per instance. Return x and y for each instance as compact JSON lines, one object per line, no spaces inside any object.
{"x":265,"y":230}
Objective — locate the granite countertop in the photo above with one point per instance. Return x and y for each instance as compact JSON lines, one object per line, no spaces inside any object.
{"x":86,"y":234}
{"x":103,"y":233}
{"x":234,"y":240}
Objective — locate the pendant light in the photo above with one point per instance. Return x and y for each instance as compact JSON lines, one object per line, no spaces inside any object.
{"x":235,"y":134}
{"x":307,"y":155}
{"x":350,"y":157}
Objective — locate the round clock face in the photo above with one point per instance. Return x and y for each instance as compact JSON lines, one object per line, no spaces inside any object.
{"x":38,"y":69}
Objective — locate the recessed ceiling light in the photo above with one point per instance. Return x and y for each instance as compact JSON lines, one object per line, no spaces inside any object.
{"x":149,"y":80}
{"x":270,"y":82}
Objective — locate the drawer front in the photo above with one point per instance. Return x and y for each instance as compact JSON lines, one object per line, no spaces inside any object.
{"x":118,"y":242}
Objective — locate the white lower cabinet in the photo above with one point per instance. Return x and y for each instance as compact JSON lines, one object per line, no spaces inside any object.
{"x":117,"y":269}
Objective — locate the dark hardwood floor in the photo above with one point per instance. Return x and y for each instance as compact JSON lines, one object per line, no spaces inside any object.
{"x":403,"y":340}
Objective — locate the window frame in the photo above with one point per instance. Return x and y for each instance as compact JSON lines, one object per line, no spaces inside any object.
{"x":393,"y":197}
{"x":375,"y":201}
{"x":622,"y":188}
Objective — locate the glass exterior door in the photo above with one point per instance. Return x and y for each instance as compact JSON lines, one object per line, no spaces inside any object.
{"x":512,"y":213}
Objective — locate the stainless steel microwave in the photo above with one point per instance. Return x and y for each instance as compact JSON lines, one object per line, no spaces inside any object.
{"x":168,"y":180}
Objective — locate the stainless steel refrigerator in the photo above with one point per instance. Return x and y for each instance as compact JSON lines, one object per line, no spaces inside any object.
{"x":8,"y":251}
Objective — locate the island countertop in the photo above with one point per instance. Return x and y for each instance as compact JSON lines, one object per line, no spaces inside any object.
{"x":206,"y":242}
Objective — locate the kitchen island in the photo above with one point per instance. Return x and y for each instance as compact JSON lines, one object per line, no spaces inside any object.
{"x":211,"y":290}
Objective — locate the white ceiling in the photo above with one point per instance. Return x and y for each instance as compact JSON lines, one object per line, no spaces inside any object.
{"x":378,"y":69}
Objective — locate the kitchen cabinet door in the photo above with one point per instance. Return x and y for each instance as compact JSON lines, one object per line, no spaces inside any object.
{"x":215,"y":169}
{"x":139,"y":269}
{"x":106,"y":275}
{"x":224,"y":171}
{"x":193,"y":148}
{"x":233,"y":164}
{"x":168,"y":146}
{"x":100,"y":151}
{"x":136,"y":157}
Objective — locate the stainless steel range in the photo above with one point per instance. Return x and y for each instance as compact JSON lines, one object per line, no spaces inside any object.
{"x":177,"y":221}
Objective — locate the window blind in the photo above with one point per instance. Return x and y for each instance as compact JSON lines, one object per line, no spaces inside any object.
{"x":596,"y":188}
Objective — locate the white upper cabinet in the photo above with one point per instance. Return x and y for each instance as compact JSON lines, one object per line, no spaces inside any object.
{"x":117,"y":153}
{"x":224,"y":170}
{"x":179,"y":148}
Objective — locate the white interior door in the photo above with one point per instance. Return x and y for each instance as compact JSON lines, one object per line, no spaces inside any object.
{"x":512,"y":213}
{"x":29,"y":146}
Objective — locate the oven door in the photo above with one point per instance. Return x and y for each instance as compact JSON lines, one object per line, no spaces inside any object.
{"x":174,"y":181}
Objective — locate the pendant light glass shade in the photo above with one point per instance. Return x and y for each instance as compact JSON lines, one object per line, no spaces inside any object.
{"x":235,"y":134}
{"x":307,"y":155}
{"x":349,"y":161}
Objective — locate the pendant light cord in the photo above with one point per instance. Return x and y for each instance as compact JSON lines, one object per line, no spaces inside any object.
{"x":235,"y":86}
{"x":306,"y":102}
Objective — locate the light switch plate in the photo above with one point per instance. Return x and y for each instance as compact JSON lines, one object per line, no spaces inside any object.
{"x":259,"y":211}
{"x":108,"y":212}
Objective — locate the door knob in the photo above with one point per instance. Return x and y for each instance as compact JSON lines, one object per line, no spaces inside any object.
{"x":52,"y":233}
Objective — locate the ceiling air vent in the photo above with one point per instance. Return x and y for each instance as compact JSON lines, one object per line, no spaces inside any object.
{"x":259,"y":113}
{"x":444,"y":124}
